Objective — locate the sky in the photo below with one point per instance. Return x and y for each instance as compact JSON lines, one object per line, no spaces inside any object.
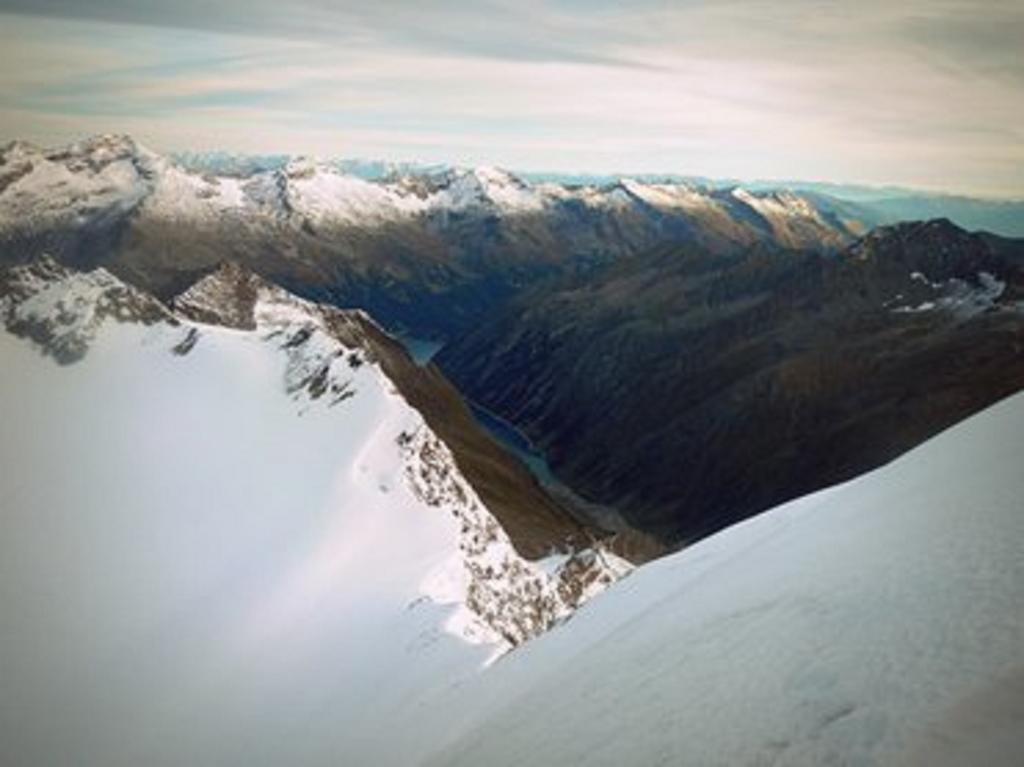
{"x":923,"y":93}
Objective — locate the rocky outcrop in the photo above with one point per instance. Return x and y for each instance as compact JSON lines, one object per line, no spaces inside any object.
{"x":506,"y":598}
{"x":61,"y":309}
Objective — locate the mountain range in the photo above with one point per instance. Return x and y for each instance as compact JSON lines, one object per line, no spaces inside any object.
{"x":244,"y":524}
{"x":432,"y":252}
{"x":875,"y":205}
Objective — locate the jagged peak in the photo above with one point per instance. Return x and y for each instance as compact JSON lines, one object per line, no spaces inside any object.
{"x":785,"y":197}
{"x":24,"y":280}
{"x":643,"y":185}
{"x":480,"y":177}
{"x":941,"y":226}
{"x":61,"y":309}
{"x":939,"y":265}
{"x":303,"y":166}
{"x":491,"y":174}
{"x":932,"y":237}
{"x":19,"y":148}
{"x":226,"y":296}
{"x":622,"y":191}
{"x":117,"y":143}
{"x":631,"y":185}
{"x":43,"y":267}
{"x":234,"y":296}
{"x":93,"y":153}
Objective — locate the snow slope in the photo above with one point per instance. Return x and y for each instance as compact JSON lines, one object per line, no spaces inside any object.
{"x":879,"y":622}
{"x":231,"y":545}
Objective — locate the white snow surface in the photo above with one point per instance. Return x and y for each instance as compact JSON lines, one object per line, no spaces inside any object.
{"x":880,"y":622}
{"x":203,"y":562}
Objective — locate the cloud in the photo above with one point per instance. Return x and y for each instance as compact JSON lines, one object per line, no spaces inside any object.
{"x":919,"y":92}
{"x":521,"y":31}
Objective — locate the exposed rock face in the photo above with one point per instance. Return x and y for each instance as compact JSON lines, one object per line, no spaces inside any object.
{"x":690,"y":390}
{"x":228,"y":297}
{"x":505,"y":594}
{"x":432,"y":252}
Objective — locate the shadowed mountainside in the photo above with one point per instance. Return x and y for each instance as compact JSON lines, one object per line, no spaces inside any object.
{"x":691,"y":390}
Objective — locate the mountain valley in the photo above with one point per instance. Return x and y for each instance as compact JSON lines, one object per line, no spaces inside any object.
{"x":631,"y":379}
{"x":320,"y":462}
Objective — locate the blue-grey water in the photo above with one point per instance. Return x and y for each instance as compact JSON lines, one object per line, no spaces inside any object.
{"x":421,"y":350}
{"x":513,"y":439}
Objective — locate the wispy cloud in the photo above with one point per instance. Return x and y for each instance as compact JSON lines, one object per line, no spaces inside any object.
{"x":926,"y":92}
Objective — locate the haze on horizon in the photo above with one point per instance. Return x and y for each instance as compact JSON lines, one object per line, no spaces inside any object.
{"x":923,"y":93}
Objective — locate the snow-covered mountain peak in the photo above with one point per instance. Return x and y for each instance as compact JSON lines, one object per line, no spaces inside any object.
{"x":85,"y":195}
{"x":491,"y":175}
{"x":633,"y":186}
{"x":676,"y":197}
{"x":782,"y":202}
{"x":323,"y":344}
{"x":102,"y":177}
{"x":106,"y":147}
{"x":303,"y":167}
{"x":325,"y":357}
{"x":62,"y":310}
{"x":119,"y":152}
{"x":487,"y":187}
{"x":321,"y":192}
{"x":17,"y":150}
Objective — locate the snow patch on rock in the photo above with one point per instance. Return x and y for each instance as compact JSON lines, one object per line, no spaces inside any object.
{"x":62,"y":310}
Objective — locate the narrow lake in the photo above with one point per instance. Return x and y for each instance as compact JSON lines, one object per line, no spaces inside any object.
{"x":516,"y":443}
{"x":421,"y":350}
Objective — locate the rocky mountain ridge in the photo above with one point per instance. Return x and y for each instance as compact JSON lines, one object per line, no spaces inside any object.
{"x":330,"y":357}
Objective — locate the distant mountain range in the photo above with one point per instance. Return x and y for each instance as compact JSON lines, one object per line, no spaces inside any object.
{"x":432,"y":252}
{"x":875,"y":205}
